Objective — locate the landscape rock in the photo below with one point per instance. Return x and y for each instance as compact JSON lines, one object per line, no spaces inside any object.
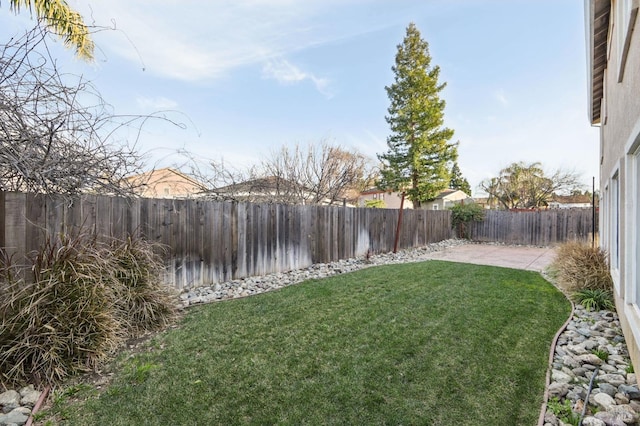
{"x":589,"y":359}
{"x":9,"y":400}
{"x":561,"y":376}
{"x":612,"y":379}
{"x":592,"y":421}
{"x":608,"y":389}
{"x":604,"y":401}
{"x":618,"y":416}
{"x":17,"y":416}
{"x":631,"y":392}
{"x":29,"y":396}
{"x":558,"y":389}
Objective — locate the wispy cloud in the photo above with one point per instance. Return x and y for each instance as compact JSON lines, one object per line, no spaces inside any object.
{"x":284,"y":72}
{"x":501,"y":97}
{"x":195,"y":41}
{"x":155,"y":103}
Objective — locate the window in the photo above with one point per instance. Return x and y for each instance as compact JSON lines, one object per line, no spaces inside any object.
{"x":435,"y":207}
{"x":614,"y":224}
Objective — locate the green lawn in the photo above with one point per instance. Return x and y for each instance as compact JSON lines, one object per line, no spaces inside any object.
{"x":433,"y":343}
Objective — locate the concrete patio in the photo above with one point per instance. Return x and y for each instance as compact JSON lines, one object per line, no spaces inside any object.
{"x":529,"y":258}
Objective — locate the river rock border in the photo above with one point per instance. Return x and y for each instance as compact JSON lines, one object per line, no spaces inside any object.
{"x":592,"y":346}
{"x":254,"y":285}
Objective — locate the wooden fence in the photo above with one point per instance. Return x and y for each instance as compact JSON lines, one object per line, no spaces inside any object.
{"x":539,"y":228}
{"x":209,"y":242}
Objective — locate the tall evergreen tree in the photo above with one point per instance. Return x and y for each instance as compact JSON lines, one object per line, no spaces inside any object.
{"x":420,"y":154}
{"x":458,"y":181}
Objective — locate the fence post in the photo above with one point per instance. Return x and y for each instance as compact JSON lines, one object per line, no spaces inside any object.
{"x":395,"y":243}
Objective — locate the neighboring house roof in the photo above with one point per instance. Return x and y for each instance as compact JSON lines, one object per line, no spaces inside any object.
{"x":179,"y":184}
{"x":572,"y":199}
{"x":446,"y":193}
{"x":375,"y":191}
{"x":266,"y":185}
{"x":265,"y":189}
{"x":443,"y":194}
{"x":263,"y":184}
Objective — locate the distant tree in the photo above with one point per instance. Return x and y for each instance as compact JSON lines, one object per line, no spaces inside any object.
{"x":420,"y":154}
{"x":458,"y":181}
{"x":316,"y":173}
{"x":61,"y":20}
{"x":322,"y":173}
{"x":522,"y":185}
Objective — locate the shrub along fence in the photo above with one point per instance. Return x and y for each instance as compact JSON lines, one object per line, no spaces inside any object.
{"x":208,"y":241}
{"x":536,"y":227}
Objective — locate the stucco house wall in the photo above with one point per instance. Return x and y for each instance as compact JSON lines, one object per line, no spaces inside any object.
{"x":391,"y":200}
{"x":165,"y":183}
{"x":615,"y":108}
{"x":445,"y":199}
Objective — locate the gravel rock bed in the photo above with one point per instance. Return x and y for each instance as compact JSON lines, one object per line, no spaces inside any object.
{"x":255,"y":285}
{"x":614,"y":399}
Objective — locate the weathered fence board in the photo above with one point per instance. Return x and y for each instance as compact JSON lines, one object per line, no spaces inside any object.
{"x":539,"y":228}
{"x":207,"y":242}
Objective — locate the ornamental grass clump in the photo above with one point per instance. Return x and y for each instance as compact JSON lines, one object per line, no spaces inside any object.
{"x":61,"y":320}
{"x":82,"y":300}
{"x":143,"y":302}
{"x":582,"y":267}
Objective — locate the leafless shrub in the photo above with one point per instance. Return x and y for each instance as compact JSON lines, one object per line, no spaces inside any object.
{"x":57,"y":134}
{"x":316,"y":173}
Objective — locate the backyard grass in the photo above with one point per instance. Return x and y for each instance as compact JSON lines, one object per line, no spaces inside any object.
{"x":433,"y":343}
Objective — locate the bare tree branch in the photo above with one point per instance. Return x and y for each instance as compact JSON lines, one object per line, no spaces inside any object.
{"x":310,"y":174}
{"x":57,"y":134}
{"x":318,"y":173}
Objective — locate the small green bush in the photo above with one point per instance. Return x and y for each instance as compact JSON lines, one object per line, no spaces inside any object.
{"x":595,"y":299}
{"x":563,"y":411}
{"x":603,"y":354}
{"x":463,"y":214}
{"x":579,"y":266}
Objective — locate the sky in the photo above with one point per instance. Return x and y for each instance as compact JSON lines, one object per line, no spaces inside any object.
{"x":246,"y":77}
